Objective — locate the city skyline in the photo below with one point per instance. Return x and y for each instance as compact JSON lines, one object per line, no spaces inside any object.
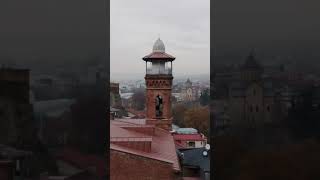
{"x":135,"y":26}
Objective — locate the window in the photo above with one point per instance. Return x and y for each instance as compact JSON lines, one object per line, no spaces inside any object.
{"x":191,"y":144}
{"x":268,"y":108}
{"x":159,"y":106}
{"x":254,"y":92}
{"x":257,"y":109}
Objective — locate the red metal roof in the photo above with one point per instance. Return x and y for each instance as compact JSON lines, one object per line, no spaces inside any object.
{"x":162,"y":145}
{"x":159,"y":56}
{"x":188,"y":137}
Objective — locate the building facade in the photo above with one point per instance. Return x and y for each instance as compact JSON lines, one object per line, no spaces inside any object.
{"x":254,"y":100}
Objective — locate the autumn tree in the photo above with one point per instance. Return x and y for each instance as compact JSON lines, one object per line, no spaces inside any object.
{"x":178,"y":114}
{"x":198,"y":118}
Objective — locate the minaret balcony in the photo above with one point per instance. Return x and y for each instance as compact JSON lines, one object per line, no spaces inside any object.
{"x":153,"y":71}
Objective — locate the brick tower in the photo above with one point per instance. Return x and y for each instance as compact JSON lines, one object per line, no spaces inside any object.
{"x":158,"y":82}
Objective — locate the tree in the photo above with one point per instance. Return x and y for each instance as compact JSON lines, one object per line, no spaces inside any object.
{"x":178,"y":114}
{"x":205,"y":97}
{"x":198,"y":118}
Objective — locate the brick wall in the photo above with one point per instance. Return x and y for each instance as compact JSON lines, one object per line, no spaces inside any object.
{"x":144,"y":130}
{"x":138,"y":145}
{"x":125,"y":166}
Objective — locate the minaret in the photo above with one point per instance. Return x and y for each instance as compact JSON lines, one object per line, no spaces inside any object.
{"x":159,"y":83}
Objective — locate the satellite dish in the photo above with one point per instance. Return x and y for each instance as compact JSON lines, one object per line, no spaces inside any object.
{"x":205,"y":153}
{"x":172,"y":131}
{"x":207,"y":147}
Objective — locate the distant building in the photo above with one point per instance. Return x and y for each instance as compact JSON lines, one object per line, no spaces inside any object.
{"x":253,"y":98}
{"x":178,"y":96}
{"x":15,"y":108}
{"x":188,"y":138}
{"x":126,"y":99}
{"x":221,"y":120}
{"x":189,"y":92}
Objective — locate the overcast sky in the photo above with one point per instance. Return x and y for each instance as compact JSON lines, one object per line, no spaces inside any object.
{"x":52,"y":30}
{"x":281,"y":28}
{"x":183,"y":25}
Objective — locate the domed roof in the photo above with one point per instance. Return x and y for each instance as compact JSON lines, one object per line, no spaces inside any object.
{"x":158,"y":46}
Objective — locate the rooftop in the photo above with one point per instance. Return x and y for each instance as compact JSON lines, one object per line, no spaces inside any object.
{"x":158,"y":52}
{"x":159,"y":46}
{"x":187,"y":131}
{"x":194,"y":157}
{"x":189,"y":137}
{"x":158,"y":56}
{"x":135,"y":130}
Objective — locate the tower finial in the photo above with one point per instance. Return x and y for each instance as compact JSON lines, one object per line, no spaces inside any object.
{"x":158,"y":35}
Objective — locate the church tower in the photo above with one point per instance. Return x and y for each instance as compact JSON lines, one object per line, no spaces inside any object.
{"x":158,"y":86}
{"x":251,"y":70}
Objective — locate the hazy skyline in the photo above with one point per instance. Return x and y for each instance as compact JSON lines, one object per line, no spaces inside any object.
{"x":183,"y":25}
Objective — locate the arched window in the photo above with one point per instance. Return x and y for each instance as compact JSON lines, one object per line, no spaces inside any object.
{"x":159,"y":106}
{"x":257,"y":108}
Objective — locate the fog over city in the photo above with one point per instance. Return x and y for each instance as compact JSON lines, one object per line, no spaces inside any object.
{"x":183,"y":25}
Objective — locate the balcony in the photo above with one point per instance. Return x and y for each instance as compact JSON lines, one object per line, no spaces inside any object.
{"x":155,"y":71}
